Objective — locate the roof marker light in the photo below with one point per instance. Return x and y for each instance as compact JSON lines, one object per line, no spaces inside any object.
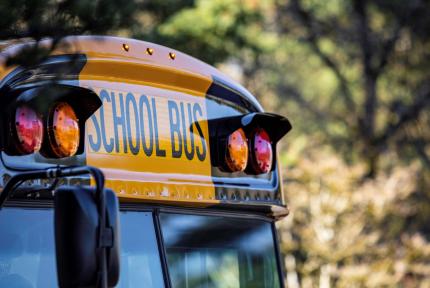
{"x":149,"y":51}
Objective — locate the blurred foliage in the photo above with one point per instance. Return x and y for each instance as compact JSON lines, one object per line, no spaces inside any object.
{"x":357,"y":70}
{"x":352,"y":76}
{"x":349,"y":233}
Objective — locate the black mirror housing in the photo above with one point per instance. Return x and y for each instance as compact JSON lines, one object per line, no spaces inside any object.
{"x":76,"y":236}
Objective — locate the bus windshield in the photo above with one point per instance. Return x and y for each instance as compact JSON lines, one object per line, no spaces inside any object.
{"x":202,"y":251}
{"x":215,"y":251}
{"x":27,"y":249}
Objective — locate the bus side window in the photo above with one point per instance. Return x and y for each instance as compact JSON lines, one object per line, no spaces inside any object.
{"x":216,"y":251}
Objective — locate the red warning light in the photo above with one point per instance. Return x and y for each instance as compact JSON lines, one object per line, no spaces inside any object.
{"x":261,"y":152}
{"x":28,"y":130}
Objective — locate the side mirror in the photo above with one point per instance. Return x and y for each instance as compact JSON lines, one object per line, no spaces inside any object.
{"x":77,"y":237}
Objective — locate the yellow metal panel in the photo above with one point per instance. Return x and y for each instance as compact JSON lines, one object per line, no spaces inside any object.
{"x":118,"y":71}
{"x":145,"y":98}
{"x":120,"y":66}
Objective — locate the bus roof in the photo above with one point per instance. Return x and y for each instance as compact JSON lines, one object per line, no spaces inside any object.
{"x":179,"y":93}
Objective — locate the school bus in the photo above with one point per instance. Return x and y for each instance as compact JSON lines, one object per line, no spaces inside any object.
{"x":182,"y":158}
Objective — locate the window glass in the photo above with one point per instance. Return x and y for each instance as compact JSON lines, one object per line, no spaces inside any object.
{"x":213,"y":251}
{"x":27,"y":250}
{"x":140,"y":261}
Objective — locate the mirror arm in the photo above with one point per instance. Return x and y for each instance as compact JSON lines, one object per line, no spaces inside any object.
{"x":105,"y":237}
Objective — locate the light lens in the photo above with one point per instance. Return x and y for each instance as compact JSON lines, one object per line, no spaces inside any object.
{"x":237,"y":151}
{"x":262,"y":152}
{"x":63,"y":130}
{"x":29,"y":130}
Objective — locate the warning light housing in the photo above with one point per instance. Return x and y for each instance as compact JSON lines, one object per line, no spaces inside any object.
{"x":260,"y":131}
{"x":237,"y":151}
{"x":27,"y":130}
{"x":45,"y":119}
{"x":63,"y":131}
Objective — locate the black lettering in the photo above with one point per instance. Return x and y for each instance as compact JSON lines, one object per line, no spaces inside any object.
{"x":200,"y":154}
{"x":146,"y":148}
{"x":158,"y":151}
{"x":175,"y":128}
{"x":95,"y":146}
{"x":130,"y":100}
{"x":104,"y":95}
{"x":189,"y":154}
{"x":119,"y":121}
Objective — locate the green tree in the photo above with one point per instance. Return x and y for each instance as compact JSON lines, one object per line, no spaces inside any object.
{"x":353,"y":76}
{"x":377,"y":51}
{"x":359,"y":69}
{"x":38,"y":19}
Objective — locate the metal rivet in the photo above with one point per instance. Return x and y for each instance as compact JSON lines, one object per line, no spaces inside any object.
{"x":125,"y":47}
{"x":172,"y":55}
{"x":149,"y":51}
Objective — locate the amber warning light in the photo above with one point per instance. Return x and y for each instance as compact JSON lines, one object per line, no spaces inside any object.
{"x":237,"y":151}
{"x":63,"y":131}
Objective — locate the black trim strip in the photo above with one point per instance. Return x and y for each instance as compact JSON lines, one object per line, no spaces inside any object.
{"x":161,"y":248}
{"x":233,"y":93}
{"x":215,"y":212}
{"x":281,"y":270}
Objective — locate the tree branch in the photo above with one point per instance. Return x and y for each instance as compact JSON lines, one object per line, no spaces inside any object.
{"x":288,"y":90}
{"x":364,"y":33}
{"x":420,"y":147}
{"x":389,"y":45}
{"x":367,"y":120}
{"x":387,"y":49}
{"x":312,"y":38}
{"x":407,"y":114}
